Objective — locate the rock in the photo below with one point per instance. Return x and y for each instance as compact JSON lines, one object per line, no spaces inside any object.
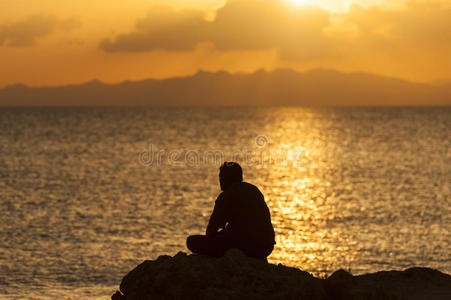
{"x":411,"y":284}
{"x":339,"y":284}
{"x":236,"y":276}
{"x":233,"y":276}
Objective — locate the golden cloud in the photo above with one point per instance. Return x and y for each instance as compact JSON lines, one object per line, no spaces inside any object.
{"x":419,"y":22}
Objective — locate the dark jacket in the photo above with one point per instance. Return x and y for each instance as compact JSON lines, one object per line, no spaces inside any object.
{"x":243,"y":209}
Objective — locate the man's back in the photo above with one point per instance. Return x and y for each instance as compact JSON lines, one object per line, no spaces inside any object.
{"x":243,"y":207}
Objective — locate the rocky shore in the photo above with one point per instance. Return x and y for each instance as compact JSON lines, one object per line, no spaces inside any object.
{"x":235,"y":276}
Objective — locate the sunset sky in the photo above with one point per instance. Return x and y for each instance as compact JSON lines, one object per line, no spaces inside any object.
{"x":54,"y":42}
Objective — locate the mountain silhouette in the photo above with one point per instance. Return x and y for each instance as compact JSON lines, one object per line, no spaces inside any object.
{"x":281,"y":87}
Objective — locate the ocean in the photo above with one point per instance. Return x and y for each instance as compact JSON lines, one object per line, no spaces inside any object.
{"x":89,"y":193}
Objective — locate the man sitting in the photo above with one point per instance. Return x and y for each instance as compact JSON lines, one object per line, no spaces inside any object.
{"x":240,"y":219}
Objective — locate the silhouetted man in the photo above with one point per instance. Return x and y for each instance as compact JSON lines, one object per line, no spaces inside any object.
{"x":240,"y":219}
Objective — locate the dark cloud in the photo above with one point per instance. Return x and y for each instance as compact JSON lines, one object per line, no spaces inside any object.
{"x":239,"y":25}
{"x":163,"y":28}
{"x":297,"y":32}
{"x":25,"y":33}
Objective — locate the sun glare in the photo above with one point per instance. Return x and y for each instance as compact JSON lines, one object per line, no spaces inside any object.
{"x":330,"y":5}
{"x":303,"y":2}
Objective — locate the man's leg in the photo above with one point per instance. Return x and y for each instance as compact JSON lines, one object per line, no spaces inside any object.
{"x":255,"y":250}
{"x":212,"y":246}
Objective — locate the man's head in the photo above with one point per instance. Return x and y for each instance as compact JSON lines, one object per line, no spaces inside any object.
{"x":229,"y":173}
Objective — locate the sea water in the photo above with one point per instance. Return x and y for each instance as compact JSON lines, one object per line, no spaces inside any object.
{"x":88,"y":193}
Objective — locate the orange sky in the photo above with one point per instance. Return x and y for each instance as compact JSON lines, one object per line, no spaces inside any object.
{"x":53,"y":42}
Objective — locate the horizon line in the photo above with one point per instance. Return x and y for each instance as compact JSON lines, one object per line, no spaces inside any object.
{"x":439,"y":82}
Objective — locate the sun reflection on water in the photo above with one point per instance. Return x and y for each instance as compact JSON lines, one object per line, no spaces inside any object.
{"x":300,"y":199}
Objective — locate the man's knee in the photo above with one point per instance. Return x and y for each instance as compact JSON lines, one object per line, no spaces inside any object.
{"x":193,"y":243}
{"x":259,"y":252}
{"x":189,"y":242}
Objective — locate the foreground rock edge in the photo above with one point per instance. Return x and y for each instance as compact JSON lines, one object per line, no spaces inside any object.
{"x":236,"y":276}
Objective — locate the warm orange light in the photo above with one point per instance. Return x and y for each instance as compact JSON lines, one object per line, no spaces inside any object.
{"x":397,"y":38}
{"x":303,"y":2}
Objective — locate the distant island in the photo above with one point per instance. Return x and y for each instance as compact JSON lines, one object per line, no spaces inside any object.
{"x":282,"y":87}
{"x":236,"y":276}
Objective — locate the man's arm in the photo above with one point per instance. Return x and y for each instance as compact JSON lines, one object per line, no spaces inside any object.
{"x":218,"y":218}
